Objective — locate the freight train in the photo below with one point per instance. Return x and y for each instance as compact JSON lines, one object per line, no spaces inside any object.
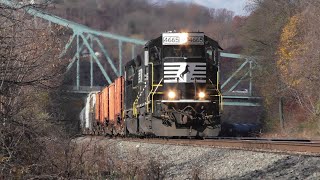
{"x":171,"y":89}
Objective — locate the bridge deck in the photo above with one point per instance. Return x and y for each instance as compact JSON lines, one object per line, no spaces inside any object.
{"x":245,"y":100}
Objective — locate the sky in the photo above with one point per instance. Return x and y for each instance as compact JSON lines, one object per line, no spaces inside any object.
{"x":234,"y":5}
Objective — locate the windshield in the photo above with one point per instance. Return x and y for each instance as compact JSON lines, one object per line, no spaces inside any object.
{"x":183,"y":51}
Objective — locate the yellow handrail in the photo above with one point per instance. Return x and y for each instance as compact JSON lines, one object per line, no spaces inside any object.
{"x":155,"y":92}
{"x":152,"y":92}
{"x":219,"y":93}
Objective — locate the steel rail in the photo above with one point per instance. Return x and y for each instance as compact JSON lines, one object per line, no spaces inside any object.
{"x":273,"y":145}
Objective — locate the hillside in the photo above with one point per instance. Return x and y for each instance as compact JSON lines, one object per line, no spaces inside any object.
{"x":142,"y":19}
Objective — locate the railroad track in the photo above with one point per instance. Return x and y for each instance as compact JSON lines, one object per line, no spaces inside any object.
{"x":253,"y":144}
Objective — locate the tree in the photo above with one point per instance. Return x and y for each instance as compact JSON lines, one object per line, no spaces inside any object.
{"x":29,"y":68}
{"x":283,"y":35}
{"x":299,"y":58}
{"x":261,"y":36}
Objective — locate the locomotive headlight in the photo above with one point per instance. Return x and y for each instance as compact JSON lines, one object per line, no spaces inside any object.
{"x":171,"y":94}
{"x":183,"y":38}
{"x":202,"y":95}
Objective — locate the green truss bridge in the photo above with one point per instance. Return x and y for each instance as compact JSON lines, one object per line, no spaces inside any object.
{"x":89,"y":45}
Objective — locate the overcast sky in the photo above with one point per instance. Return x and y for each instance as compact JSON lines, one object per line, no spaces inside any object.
{"x":234,"y":5}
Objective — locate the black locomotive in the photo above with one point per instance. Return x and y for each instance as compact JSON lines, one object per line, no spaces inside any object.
{"x":174,"y":89}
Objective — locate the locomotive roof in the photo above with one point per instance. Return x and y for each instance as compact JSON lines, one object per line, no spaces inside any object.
{"x":158,"y":41}
{"x":207,"y":39}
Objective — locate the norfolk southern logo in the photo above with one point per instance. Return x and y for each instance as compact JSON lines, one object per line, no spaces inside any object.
{"x":185,"y":71}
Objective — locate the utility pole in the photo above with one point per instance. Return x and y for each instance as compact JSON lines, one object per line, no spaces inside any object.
{"x":281,"y":116}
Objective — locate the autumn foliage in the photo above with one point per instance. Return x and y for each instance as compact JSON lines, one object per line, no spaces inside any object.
{"x":284,"y":34}
{"x":290,"y":50}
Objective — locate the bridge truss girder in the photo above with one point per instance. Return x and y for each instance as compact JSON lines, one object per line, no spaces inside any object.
{"x":246,"y":99}
{"x":84,"y":38}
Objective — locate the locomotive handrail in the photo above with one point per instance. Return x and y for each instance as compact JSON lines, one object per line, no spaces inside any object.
{"x":154,"y":93}
{"x":151,"y":91}
{"x":219,"y":95}
{"x":134,"y":105}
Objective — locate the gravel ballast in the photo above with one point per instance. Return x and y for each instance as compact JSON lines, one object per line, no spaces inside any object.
{"x":188,"y":162}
